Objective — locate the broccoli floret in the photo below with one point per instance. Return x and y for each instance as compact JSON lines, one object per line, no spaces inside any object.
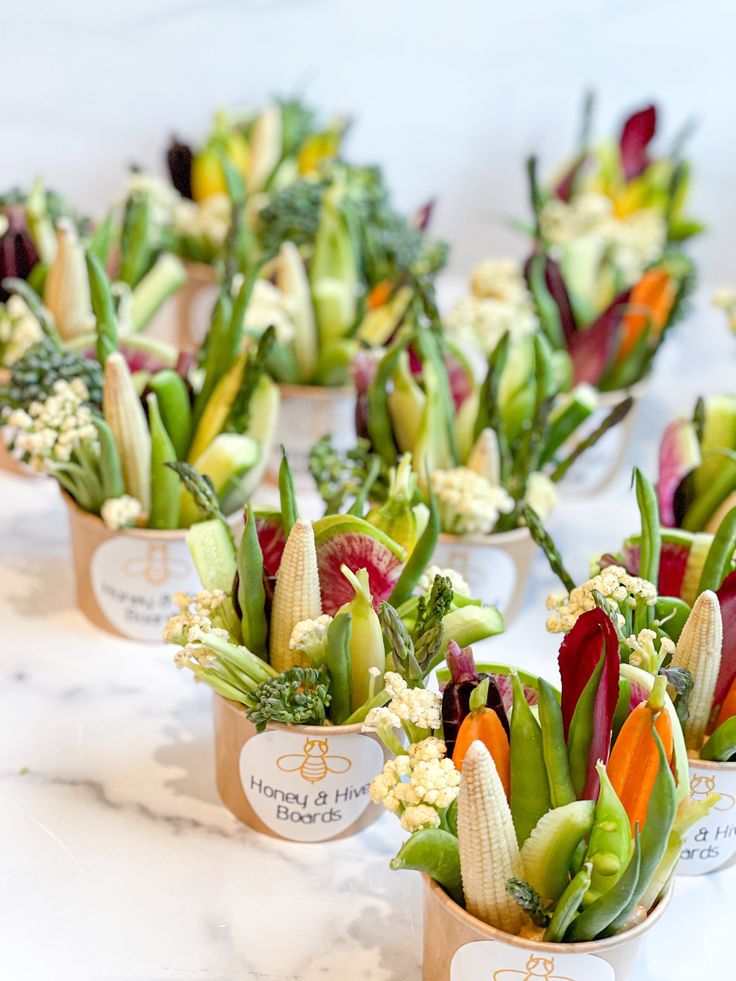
{"x":33,"y":375}
{"x":298,"y":696}
{"x":292,"y":215}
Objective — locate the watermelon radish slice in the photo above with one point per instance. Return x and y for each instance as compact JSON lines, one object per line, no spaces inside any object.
{"x":673,"y":560}
{"x":351,"y":541}
{"x":271,"y":538}
{"x":679,"y":456}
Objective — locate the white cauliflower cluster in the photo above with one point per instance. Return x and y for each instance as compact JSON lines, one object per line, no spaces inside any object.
{"x":498,"y":302}
{"x":419,"y":706}
{"x":199,"y":615}
{"x":644,"y":653}
{"x":309,"y":637}
{"x":633,"y":241}
{"x":468,"y":503}
{"x":50,"y":431}
{"x":269,"y":306}
{"x":541,"y":494}
{"x":120,"y":512}
{"x":19,"y":330}
{"x":208,"y":219}
{"x":614,"y":584}
{"x":418,"y":784}
{"x":458,"y":583}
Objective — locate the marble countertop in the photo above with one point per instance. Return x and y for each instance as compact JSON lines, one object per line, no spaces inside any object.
{"x":117,"y":859}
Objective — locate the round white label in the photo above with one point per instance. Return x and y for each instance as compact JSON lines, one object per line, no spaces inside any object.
{"x":133,"y":580}
{"x":711,"y":842}
{"x":303,"y":421}
{"x":309,"y":788}
{"x":492,"y":960}
{"x":488,"y":570}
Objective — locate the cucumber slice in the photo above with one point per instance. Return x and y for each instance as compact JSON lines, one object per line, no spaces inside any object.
{"x":719,"y":432}
{"x":548,"y":852}
{"x":213,"y":553}
{"x":264,"y":414}
{"x":224,"y":461}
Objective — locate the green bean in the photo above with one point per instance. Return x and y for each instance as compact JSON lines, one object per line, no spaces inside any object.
{"x":623,"y":707}
{"x":603,"y":912}
{"x":175,"y":406}
{"x":428,"y":344}
{"x":581,"y":729}
{"x":111,"y":470}
{"x":219,"y":356}
{"x":567,"y":906}
{"x":379,"y":418}
{"x":651,"y":539}
{"x":530,"y":794}
{"x":719,"y":561}
{"x":721,"y":745}
{"x":287,"y":494}
{"x":661,"y":813}
{"x":101,"y":241}
{"x":135,"y":250}
{"x":103,"y":307}
{"x":420,"y":557}
{"x":251,"y":593}
{"x":553,"y":746}
{"x":435,"y":852}
{"x":547,"y":310}
{"x":165,"y":490}
{"x":609,"y":845}
{"x":339,"y":666}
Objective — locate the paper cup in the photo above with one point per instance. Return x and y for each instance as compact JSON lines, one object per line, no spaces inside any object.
{"x":459,"y":947}
{"x":125,"y":579}
{"x":710,"y":845}
{"x":598,"y":466}
{"x":496,"y":567}
{"x":184,"y":318}
{"x":10,"y":463}
{"x":300,"y":783}
{"x":307,"y":413}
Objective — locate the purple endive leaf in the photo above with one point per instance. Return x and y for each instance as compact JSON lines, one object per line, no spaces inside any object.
{"x":679,"y":455}
{"x":591,"y":349}
{"x":461,"y":384}
{"x":727,"y":598}
{"x":635,"y":138}
{"x":564,"y":189}
{"x":461,"y":663}
{"x":423,"y":216}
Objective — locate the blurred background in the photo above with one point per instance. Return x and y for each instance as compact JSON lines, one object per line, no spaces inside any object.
{"x":449,"y":97}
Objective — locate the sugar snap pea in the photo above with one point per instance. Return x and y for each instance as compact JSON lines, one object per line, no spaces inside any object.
{"x":601,"y":913}
{"x":581,"y":729}
{"x":135,"y":249}
{"x":420,"y":556}
{"x":339,"y":666}
{"x":165,"y":488}
{"x":553,"y":746}
{"x":103,"y":307}
{"x":651,"y":539}
{"x":609,"y":845}
{"x":567,"y":906}
{"x":672,"y":613}
{"x":287,"y":494}
{"x":379,"y":419}
{"x":435,"y":852}
{"x":111,"y":470}
{"x":530,"y":793}
{"x":251,"y":593}
{"x":719,"y":560}
{"x":175,"y":406}
{"x":218,"y":357}
{"x":721,"y":746}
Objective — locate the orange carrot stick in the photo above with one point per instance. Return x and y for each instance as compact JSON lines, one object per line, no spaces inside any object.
{"x":728,"y":706}
{"x":650,"y":304}
{"x":482,"y":723}
{"x":380,"y":294}
{"x":634,"y":761}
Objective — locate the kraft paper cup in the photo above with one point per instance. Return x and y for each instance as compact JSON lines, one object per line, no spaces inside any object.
{"x":710,"y":845}
{"x":184,"y":319}
{"x":598,"y":466}
{"x":496,"y":567}
{"x":299,"y":783}
{"x":125,"y":579}
{"x":10,"y":463}
{"x":459,"y":947}
{"x":307,"y":413}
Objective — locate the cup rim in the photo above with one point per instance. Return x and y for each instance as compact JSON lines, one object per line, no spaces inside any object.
{"x":637,"y":389}
{"x":711,"y":764}
{"x":167,"y":534}
{"x":354,"y":729}
{"x":318,"y":392}
{"x":586,"y":947}
{"x":480,"y":541}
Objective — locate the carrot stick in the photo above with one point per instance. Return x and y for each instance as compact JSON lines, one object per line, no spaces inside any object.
{"x":634,"y":761}
{"x":650,"y":304}
{"x":728,"y":706}
{"x":482,"y":723}
{"x":380,"y":294}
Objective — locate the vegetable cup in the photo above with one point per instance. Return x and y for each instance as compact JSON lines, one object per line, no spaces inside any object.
{"x":464,"y":948}
{"x":710,"y":845}
{"x":301,"y":783}
{"x":307,"y":413}
{"x":495,"y":567}
{"x":125,"y":579}
{"x":601,"y":463}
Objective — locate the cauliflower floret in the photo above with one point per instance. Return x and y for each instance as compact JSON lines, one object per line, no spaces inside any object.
{"x":468,"y":503}
{"x":309,"y":637}
{"x":19,"y":330}
{"x":120,"y":512}
{"x":419,"y":816}
{"x":268,"y":305}
{"x":614,"y":583}
{"x":644,"y":653}
{"x":427,"y":750}
{"x":458,"y":583}
{"x":379,"y":719}
{"x":541,"y":494}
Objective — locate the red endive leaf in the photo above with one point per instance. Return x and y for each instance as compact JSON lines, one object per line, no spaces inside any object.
{"x":564,"y":188}
{"x":679,"y":455}
{"x":636,"y":136}
{"x":580,"y":652}
{"x":591,"y":349}
{"x":558,"y":291}
{"x":727,"y":598}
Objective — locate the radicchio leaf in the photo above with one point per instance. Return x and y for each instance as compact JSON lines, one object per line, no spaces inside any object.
{"x":18,"y":254}
{"x":564,"y":189}
{"x":179,"y":160}
{"x":591,"y":349}
{"x":727,"y":598}
{"x":636,"y":136}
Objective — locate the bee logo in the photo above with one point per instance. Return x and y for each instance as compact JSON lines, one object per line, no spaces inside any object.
{"x":536,"y":967}
{"x":702,"y":787}
{"x":156,"y":567}
{"x":313,"y":764}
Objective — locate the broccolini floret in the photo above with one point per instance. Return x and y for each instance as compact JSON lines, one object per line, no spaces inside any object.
{"x":34,"y":374}
{"x":298,"y":696}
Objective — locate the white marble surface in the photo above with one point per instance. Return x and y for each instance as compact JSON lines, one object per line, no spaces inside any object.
{"x":117,"y":860}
